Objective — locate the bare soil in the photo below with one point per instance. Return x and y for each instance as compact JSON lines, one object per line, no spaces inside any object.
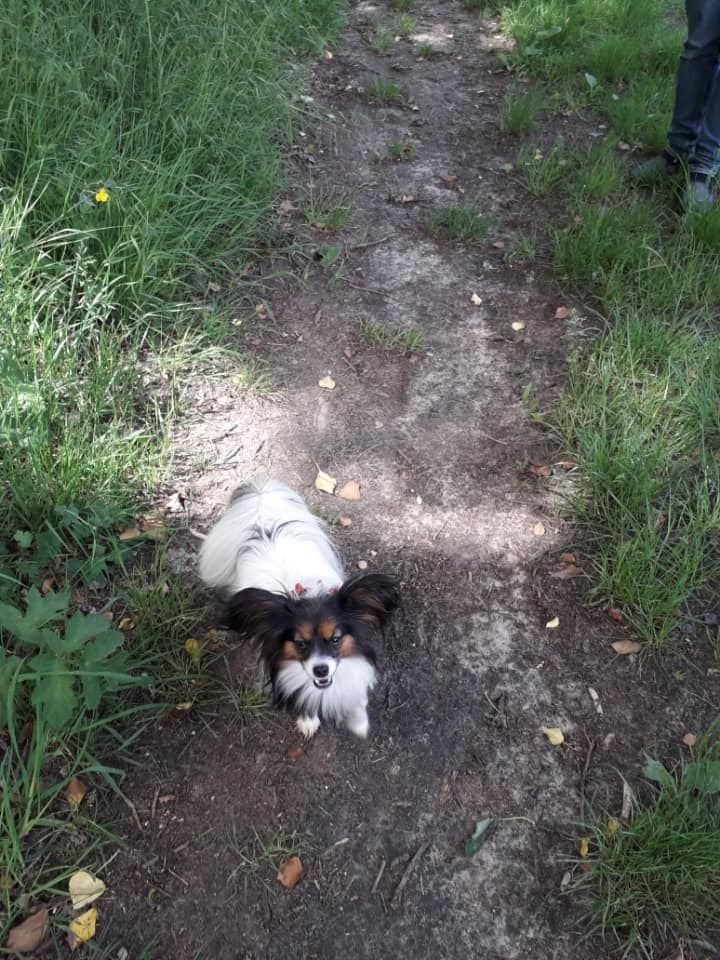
{"x":444,"y":449}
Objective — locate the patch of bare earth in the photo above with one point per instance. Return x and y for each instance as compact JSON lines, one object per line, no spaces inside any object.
{"x":441,"y":444}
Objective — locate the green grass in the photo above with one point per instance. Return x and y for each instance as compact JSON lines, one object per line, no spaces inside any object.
{"x":261,"y":856}
{"x":520,"y":109}
{"x":398,"y":150}
{"x":141,"y":149}
{"x":656,"y":880}
{"x":402,"y":5}
{"x":542,"y":172}
{"x":384,"y":91}
{"x":461,"y":223}
{"x":424,"y":50}
{"x":327,"y":209}
{"x":404,"y":24}
{"x":410,"y":340}
{"x":380,"y":38}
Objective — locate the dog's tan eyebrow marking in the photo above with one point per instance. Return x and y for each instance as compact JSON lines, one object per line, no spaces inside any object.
{"x":289,"y":652}
{"x":347,"y":646}
{"x":326,"y":629}
{"x":304,"y":631}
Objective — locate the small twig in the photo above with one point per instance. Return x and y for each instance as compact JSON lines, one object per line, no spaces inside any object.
{"x":494,"y":439}
{"x":371,"y":243}
{"x":397,"y":896}
{"x":197,"y":534}
{"x":338,"y":843}
{"x":583,"y":776}
{"x":378,"y":878}
{"x":178,"y":877}
{"x":357,"y":286}
{"x":153,"y":807}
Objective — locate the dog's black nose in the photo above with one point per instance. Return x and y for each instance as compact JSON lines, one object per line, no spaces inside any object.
{"x":321,"y":670}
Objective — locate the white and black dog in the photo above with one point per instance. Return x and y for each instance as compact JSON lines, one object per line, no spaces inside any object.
{"x":287,"y":592}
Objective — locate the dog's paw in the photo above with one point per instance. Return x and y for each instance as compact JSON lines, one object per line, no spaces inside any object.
{"x":358,"y":723}
{"x":308,"y":726}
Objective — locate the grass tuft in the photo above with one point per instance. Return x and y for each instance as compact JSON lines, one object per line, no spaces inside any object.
{"x":461,"y":223}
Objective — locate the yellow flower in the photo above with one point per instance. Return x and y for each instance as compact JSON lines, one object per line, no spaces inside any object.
{"x":102,"y":196}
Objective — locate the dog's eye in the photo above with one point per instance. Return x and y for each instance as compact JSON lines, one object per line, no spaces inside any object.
{"x":336,"y":638}
{"x":302,"y":645}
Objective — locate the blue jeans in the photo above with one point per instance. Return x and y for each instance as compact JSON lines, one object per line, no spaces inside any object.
{"x":695,"y":127}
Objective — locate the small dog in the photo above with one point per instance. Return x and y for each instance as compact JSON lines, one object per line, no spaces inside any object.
{"x":287,"y":592}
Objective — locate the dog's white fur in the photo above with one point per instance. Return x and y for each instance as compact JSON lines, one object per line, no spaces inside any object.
{"x":268,"y":539}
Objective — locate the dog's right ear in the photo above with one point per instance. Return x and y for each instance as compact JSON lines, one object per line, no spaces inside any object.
{"x":259,"y":614}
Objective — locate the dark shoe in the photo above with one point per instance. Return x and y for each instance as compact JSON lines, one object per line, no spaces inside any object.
{"x":655,"y":168}
{"x":698,"y":196}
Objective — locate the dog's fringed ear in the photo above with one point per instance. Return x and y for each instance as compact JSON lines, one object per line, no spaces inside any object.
{"x":370,"y":597}
{"x":259,"y":614}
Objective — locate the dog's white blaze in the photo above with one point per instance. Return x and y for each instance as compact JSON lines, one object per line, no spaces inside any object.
{"x":345,"y":698}
{"x":268,"y":539}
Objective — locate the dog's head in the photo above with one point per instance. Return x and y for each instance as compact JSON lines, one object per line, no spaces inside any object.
{"x":317,"y":632}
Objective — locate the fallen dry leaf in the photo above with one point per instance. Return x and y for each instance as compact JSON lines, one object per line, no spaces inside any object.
{"x":499,"y":244}
{"x":324,"y":482}
{"x":568,"y":465}
{"x":84,"y":889}
{"x":539,"y":530}
{"x":475,"y":299}
{"x":613,"y":825}
{"x":689,"y":739}
{"x":29,"y":934}
{"x":584,"y":846}
{"x":154,"y":528}
{"x":517,"y":325}
{"x":349,"y":491}
{"x":126,"y":623}
{"x":562,"y":313}
{"x":130,"y":533}
{"x":450,"y":178}
{"x":294,"y":753}
{"x":568,"y":558}
{"x":193,"y":650}
{"x":566,"y":572}
{"x":616,"y":615}
{"x":345,"y":521}
{"x":327,"y":383}
{"x":540,"y":470}
{"x":46,"y":585}
{"x":290,"y":873}
{"x":362,"y":565}
{"x":624,"y":647}
{"x":75,"y":792}
{"x":83,"y":927}
{"x":554,"y":735}
{"x":552,"y":624}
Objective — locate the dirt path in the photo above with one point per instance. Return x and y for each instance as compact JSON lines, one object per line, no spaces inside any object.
{"x":440,"y":445}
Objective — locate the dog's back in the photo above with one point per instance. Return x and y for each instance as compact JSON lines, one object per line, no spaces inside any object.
{"x":268,"y":539}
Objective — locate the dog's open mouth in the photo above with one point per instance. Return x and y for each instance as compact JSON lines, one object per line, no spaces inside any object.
{"x":322,"y":682}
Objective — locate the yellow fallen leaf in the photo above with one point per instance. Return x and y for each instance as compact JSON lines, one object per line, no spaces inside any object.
{"x":624,"y":647}
{"x":584,"y":846}
{"x":552,"y":624}
{"x":327,"y":383}
{"x":29,"y":935}
{"x":130,"y":533}
{"x":84,"y":888}
{"x":554,"y":735}
{"x":83,"y":927}
{"x":324,"y":482}
{"x":612,"y":827}
{"x":475,"y":299}
{"x":539,"y":530}
{"x":75,"y":792}
{"x":193,"y":650}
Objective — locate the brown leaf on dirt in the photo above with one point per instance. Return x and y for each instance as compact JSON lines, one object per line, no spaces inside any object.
{"x":624,"y":647}
{"x":449,"y":178}
{"x":499,"y":244}
{"x":567,"y":572}
{"x":154,"y":528}
{"x":540,"y":470}
{"x":130,"y":533}
{"x":615,"y":614}
{"x":345,"y":521}
{"x":29,"y":935}
{"x":567,"y":465}
{"x":349,"y":490}
{"x":689,"y":739}
{"x":75,"y":792}
{"x":568,"y":558}
{"x":46,"y":585}
{"x":84,"y":889}
{"x":562,"y":313}
{"x":290,"y":873}
{"x":294,"y":753}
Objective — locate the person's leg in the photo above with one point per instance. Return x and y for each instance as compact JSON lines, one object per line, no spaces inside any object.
{"x":695,"y":77}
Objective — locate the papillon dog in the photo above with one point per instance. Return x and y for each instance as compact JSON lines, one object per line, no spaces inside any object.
{"x":287,"y":592}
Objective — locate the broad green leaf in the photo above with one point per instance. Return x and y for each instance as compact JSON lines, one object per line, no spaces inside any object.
{"x":92,"y":691}
{"x":549,"y":33}
{"x":479,"y":836}
{"x":54,"y":693}
{"x":9,"y":666}
{"x":81,"y":628}
{"x":23,"y":538}
{"x":654,"y":770}
{"x":591,"y":81}
{"x":101,"y":648}
{"x":703,"y":775}
{"x":42,"y":609}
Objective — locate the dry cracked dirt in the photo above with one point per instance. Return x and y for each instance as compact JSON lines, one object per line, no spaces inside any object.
{"x":443,"y":447}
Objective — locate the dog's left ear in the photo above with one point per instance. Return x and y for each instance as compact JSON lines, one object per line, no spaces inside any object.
{"x":371,"y":597}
